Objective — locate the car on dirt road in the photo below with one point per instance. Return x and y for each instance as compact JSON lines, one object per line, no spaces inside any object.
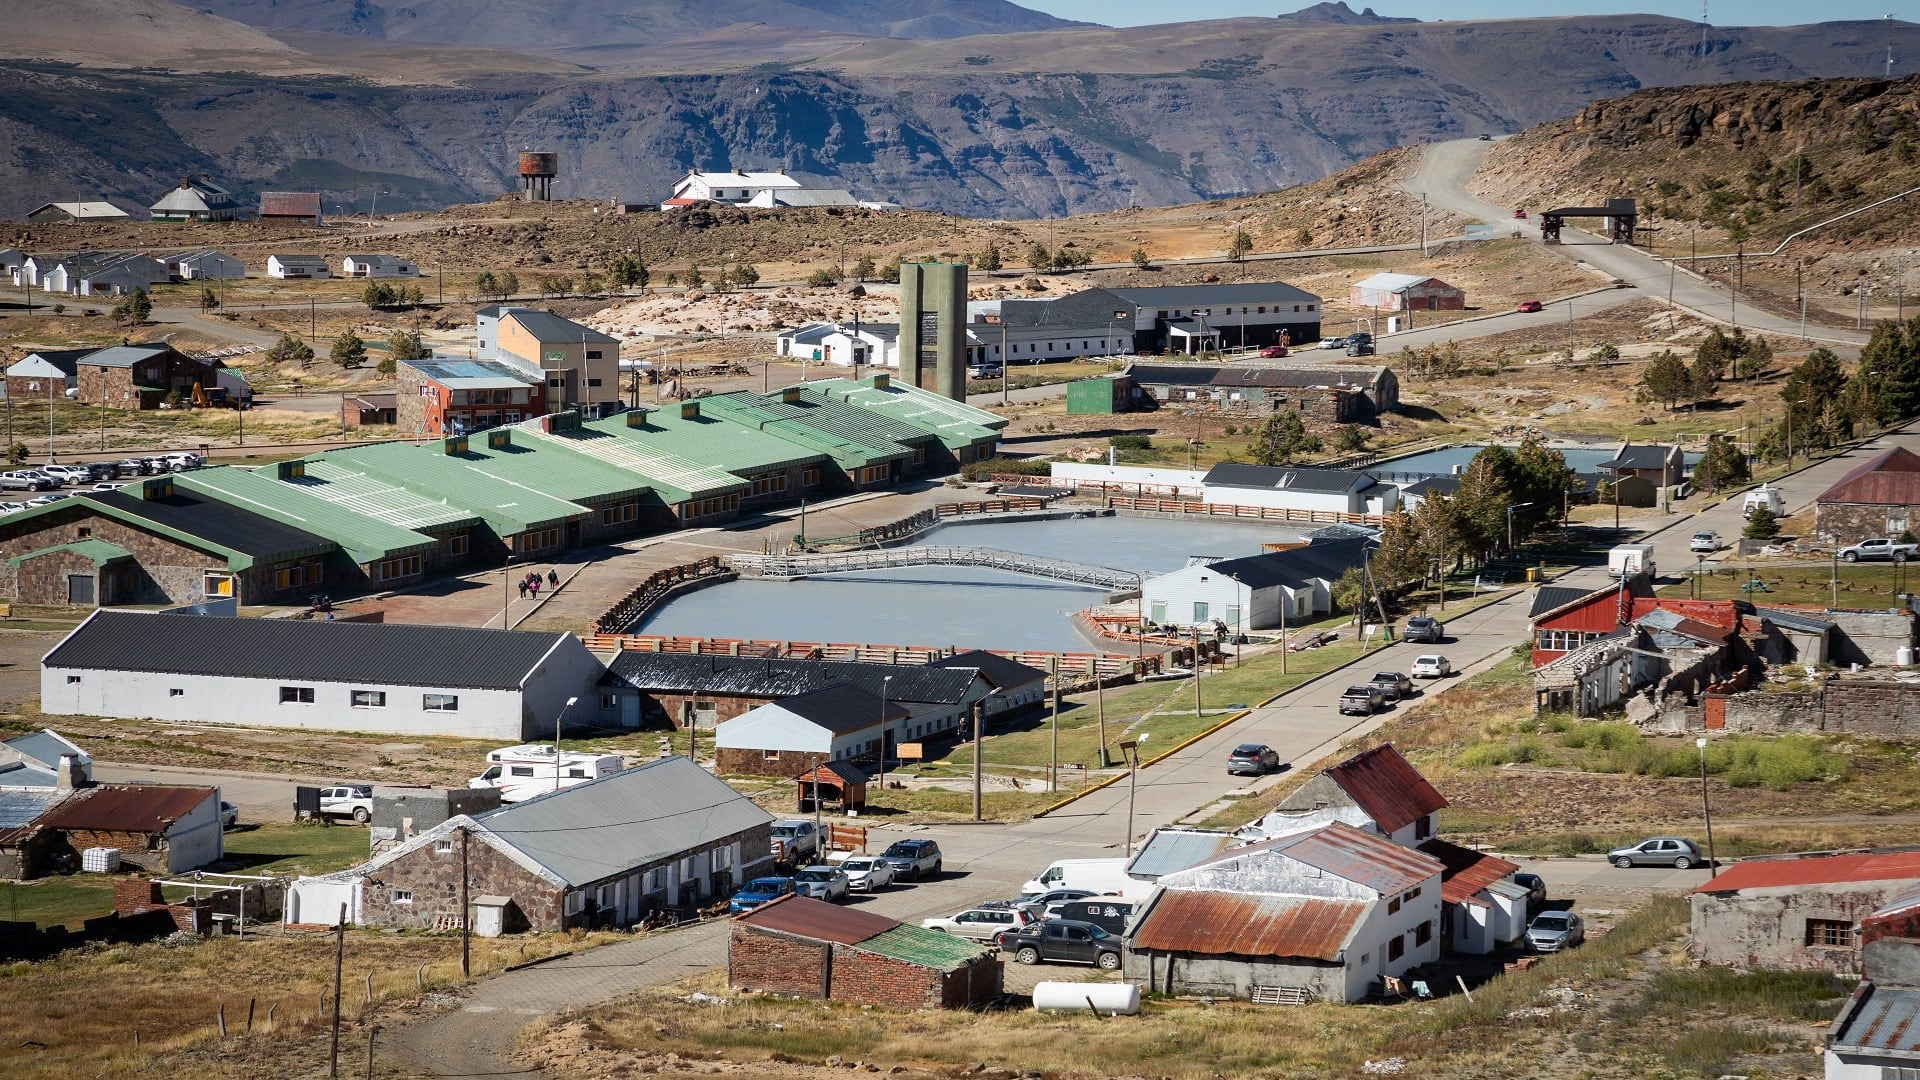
{"x":1063,"y":941}
{"x":1551,"y":931}
{"x":1675,"y":851}
{"x":1333,"y":342}
{"x":1527,"y":305}
{"x":1272,"y":351}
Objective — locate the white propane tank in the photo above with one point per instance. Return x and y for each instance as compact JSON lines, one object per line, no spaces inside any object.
{"x":1113,"y":999}
{"x":1903,"y":656}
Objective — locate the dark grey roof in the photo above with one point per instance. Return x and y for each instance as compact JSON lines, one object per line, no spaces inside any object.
{"x":1245,"y":292}
{"x":400,"y":654}
{"x":1444,"y":486}
{"x":785,"y":677}
{"x":1003,"y":672}
{"x":67,"y":360}
{"x":1795,"y":620}
{"x":1324,"y":559}
{"x":1550,"y":597}
{"x":609,"y":826}
{"x":1085,"y":310}
{"x":550,"y":329}
{"x":842,"y":708}
{"x":1287,"y":478}
{"x":216,"y":522}
{"x":1879,"y":1018}
{"x":1630,"y":456}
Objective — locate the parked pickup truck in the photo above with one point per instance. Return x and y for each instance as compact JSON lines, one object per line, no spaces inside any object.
{"x":348,"y":800}
{"x":1063,"y":940}
{"x":1879,"y":547}
{"x":796,"y":841}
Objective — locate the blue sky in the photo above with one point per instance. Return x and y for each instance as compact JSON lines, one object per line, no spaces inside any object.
{"x":1720,"y":12}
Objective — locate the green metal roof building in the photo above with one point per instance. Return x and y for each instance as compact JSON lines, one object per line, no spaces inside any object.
{"x":968,"y":433}
{"x":366,"y":540}
{"x":684,"y":430}
{"x":675,"y":474}
{"x":510,"y":505}
{"x":372,"y":496}
{"x":869,"y":449}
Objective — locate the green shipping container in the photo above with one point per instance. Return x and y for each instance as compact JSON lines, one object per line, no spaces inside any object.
{"x":1095,"y":396}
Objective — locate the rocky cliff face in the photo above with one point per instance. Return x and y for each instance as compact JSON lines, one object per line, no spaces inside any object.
{"x":980,"y":139}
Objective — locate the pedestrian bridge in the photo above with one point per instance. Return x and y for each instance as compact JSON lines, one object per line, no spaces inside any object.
{"x":1012,"y":562}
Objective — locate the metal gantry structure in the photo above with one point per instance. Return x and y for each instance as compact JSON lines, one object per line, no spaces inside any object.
{"x":1013,"y":562}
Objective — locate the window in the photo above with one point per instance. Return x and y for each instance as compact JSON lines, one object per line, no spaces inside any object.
{"x":1396,"y":949}
{"x":288,"y":577}
{"x":1835,"y":933}
{"x":1393,"y":906}
{"x":369,"y":699}
{"x":769,"y":484}
{"x":443,"y":847}
{"x":73,"y":680}
{"x":810,"y":476}
{"x":1200,"y":611}
{"x":722,"y":857}
{"x":556,"y":383}
{"x":440,"y":702}
{"x":594,"y":354}
{"x":1423,"y":828}
{"x":619,"y":515}
{"x":592,"y":382}
{"x":919,"y":455}
{"x":406,"y":566}
{"x":296,"y":695}
{"x":1562,"y":640}
{"x":403,"y":896}
{"x":216,"y":583}
{"x":575,"y":772}
{"x":1159,"y":612}
{"x":87,"y":530}
{"x":769,"y":755}
{"x":536,"y":540}
{"x":175,"y":691}
{"x":520,"y":770}
{"x":1423,"y":933}
{"x":609,"y":702}
{"x":1899,"y":1072}
{"x":457,"y":545}
{"x":1410,"y":894}
{"x":655,"y":880}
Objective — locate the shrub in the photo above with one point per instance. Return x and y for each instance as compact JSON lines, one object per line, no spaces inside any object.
{"x":1131,"y":442}
{"x":1006,"y":466}
{"x":1608,"y":735}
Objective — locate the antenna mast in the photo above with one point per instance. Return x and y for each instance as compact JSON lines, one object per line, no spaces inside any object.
{"x":1889,"y":25}
{"x":1703,"y":31}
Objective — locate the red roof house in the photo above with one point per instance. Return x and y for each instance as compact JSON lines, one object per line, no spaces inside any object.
{"x":1798,"y":911}
{"x":1376,"y":789}
{"x":1880,"y":497}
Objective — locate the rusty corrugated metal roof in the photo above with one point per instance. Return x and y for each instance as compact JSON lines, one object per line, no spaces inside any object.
{"x":1886,"y":479}
{"x":803,"y":916}
{"x":1464,"y":872}
{"x":1361,"y":857}
{"x":1234,"y":924}
{"x":149,"y":808}
{"x":1901,"y":865}
{"x":290,"y":204}
{"x":1387,"y":787}
{"x":1880,"y":1018}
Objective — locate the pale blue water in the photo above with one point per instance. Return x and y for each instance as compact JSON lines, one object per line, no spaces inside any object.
{"x":958,"y":606}
{"x":1442,"y":462}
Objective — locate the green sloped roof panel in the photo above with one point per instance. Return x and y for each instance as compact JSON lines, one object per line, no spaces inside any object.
{"x":956,"y":423}
{"x":509,"y":506}
{"x":373,"y":496}
{"x":365,"y":539}
{"x":849,"y":450}
{"x":676,"y":478}
{"x":98,"y":552}
{"x":928,"y":948}
{"x":742,"y":451}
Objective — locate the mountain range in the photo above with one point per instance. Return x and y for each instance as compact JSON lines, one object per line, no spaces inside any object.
{"x":428,"y":103}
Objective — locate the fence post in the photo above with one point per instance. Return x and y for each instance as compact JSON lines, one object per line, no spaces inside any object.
{"x":220,"y":1016}
{"x":250,"y":1004}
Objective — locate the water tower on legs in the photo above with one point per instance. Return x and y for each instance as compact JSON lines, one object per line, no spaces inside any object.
{"x":537,"y":170}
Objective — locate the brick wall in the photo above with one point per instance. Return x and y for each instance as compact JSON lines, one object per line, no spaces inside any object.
{"x":433,"y":877}
{"x":145,"y":850}
{"x":168,"y":573}
{"x":782,"y":964}
{"x":44,"y":580}
{"x":135,"y":896}
{"x":1844,"y":706}
{"x":732,"y":761}
{"x":413,"y":414}
{"x":659,"y":706}
{"x":1850,"y":523}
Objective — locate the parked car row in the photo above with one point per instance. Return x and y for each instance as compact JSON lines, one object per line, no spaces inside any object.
{"x":903,"y":861}
{"x":96,"y":474}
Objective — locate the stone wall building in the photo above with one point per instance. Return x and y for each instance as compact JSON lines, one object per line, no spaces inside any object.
{"x":801,"y":947}
{"x":1880,"y":497}
{"x":1797,"y":911}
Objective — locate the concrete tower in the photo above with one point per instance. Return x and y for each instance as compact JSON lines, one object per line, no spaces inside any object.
{"x":933,"y":327}
{"x":537,"y":170}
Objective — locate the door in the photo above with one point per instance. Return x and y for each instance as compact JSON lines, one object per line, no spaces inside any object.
{"x":80,"y":591}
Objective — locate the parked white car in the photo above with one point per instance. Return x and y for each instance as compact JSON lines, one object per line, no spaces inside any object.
{"x":1706,"y":541}
{"x":866,"y":873}
{"x":1431,"y":667}
{"x":980,"y":923}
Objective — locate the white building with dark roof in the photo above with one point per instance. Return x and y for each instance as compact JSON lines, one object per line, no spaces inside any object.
{"x":378,"y":266}
{"x":381,"y":678}
{"x":287,"y":267}
{"x":1298,"y":487}
{"x":195,"y":199}
{"x":1258,"y":592}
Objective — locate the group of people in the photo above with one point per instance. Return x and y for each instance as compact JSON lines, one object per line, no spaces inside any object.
{"x":530,"y":585}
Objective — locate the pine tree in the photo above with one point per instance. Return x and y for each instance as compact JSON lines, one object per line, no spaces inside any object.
{"x":1761,"y":524}
{"x":1281,"y":437}
{"x":348,"y":350}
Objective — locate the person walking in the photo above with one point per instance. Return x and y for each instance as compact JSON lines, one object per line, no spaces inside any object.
{"x":534,"y":586}
{"x":523,"y":588}
{"x":553,"y":577}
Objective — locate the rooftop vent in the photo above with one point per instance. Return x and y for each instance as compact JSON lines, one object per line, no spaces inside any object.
{"x":290,"y":470}
{"x":499,"y":439}
{"x":689,"y":410}
{"x":790,"y":395}
{"x":882,"y":381}
{"x":455,"y":445}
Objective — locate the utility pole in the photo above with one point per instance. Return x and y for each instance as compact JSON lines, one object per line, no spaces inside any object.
{"x":466,"y":916}
{"x":979,"y":722}
{"x":339,"y":962}
{"x":1053,"y":757}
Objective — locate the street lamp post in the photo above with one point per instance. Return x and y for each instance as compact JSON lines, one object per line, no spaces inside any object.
{"x":556,"y":740}
{"x":1790,"y":405}
{"x":884,"y":688}
{"x":1510,"y":511}
{"x":1706,"y":807}
{"x":1131,"y":750}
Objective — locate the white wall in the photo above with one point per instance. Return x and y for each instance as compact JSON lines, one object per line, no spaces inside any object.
{"x":1861,"y":1066}
{"x":1344,"y":502}
{"x":1226,"y":599}
{"x":195,"y":840}
{"x":1180,"y":482}
{"x":771,"y":727}
{"x":316,"y":901}
{"x":568,"y":670}
{"x":203,"y":699}
{"x":1381,"y":926}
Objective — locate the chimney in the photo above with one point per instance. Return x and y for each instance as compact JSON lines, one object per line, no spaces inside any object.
{"x":290,"y":470}
{"x":69,"y":774}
